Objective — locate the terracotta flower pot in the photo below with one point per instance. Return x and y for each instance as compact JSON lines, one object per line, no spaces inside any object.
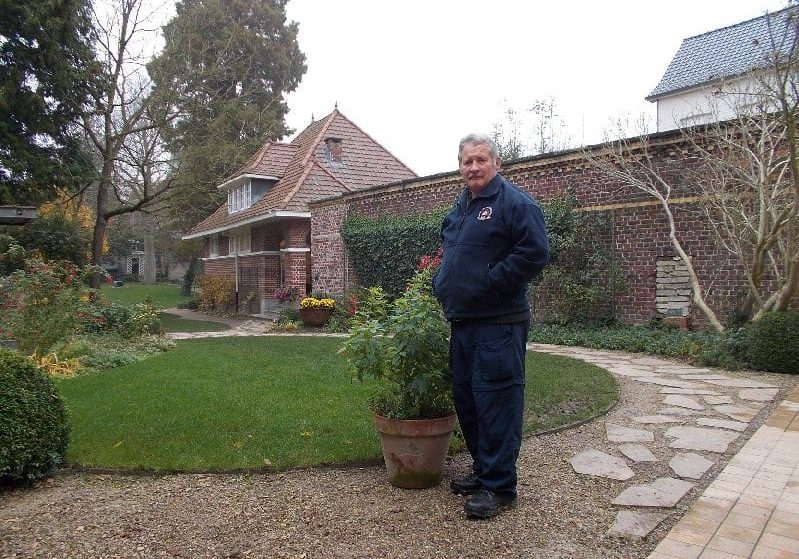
{"x":415,"y":449}
{"x":315,"y":317}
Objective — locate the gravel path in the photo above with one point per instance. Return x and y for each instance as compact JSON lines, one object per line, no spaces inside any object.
{"x":348,"y":512}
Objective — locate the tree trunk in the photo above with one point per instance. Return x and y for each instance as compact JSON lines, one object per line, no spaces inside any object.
{"x":149,"y":249}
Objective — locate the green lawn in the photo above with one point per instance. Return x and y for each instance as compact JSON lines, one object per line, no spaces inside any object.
{"x":229,"y":403}
{"x":164,"y":295}
{"x":174,"y":323}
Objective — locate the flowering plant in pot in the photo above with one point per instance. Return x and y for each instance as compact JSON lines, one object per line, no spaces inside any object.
{"x":404,"y":344}
{"x":316,"y":312}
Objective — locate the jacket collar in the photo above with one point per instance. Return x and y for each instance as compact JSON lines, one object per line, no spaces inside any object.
{"x":491,"y":189}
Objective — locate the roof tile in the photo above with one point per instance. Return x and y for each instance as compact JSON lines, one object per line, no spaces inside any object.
{"x":728,"y":52}
{"x":307,"y":173}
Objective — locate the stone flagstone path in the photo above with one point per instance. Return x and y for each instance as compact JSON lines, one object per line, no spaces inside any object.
{"x":698,"y":416}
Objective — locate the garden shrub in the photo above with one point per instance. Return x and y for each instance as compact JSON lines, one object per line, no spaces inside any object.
{"x":102,"y":352}
{"x":216,"y":293}
{"x":53,"y":236}
{"x":12,"y":255}
{"x":34,"y":433}
{"x":41,"y":304}
{"x":582,"y":278}
{"x":772,"y":343}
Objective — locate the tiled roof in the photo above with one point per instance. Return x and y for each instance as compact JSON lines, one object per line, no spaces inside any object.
{"x":306,"y":173}
{"x":727,"y":52}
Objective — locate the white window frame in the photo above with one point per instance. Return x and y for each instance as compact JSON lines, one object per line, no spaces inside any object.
{"x":213,"y":245}
{"x":240,"y":242}
{"x":239,"y":198}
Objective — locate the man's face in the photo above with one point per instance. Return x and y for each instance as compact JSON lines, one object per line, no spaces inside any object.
{"x":478,"y":167}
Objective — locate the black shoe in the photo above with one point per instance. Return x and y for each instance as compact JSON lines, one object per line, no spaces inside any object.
{"x":486,"y":504}
{"x":465,"y":485}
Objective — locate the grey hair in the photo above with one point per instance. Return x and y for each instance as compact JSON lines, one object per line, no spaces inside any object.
{"x":479,"y":139}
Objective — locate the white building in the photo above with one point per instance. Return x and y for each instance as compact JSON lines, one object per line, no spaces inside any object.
{"x":713,"y":75}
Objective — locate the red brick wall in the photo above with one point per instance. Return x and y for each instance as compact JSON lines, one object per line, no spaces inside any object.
{"x":638,"y":230}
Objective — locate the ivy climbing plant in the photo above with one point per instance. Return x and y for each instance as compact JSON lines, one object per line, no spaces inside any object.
{"x":385,"y":249}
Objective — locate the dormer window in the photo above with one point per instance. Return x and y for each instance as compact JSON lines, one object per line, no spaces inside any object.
{"x":240,"y":197}
{"x":334,"y":151}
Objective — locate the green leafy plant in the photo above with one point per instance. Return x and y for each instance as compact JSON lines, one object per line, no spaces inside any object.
{"x":385,"y":249}
{"x":12,"y":255}
{"x":41,"y":304}
{"x":405,"y":345}
{"x":216,"y":293}
{"x":35,"y":432}
{"x":580,"y":283}
{"x":772,"y":343}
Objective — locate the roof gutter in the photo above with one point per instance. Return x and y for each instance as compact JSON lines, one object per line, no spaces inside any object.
{"x":278,"y":214}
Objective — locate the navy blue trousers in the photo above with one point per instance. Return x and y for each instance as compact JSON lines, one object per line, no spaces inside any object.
{"x":487,"y":362}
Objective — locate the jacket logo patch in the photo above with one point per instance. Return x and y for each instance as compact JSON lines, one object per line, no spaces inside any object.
{"x":485,"y":213}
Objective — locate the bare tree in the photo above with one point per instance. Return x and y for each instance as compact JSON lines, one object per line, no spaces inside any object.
{"x":631,"y":162}
{"x":747,"y":182}
{"x":123,"y":123}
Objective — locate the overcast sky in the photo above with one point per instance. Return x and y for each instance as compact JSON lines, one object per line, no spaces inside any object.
{"x":417,"y":75}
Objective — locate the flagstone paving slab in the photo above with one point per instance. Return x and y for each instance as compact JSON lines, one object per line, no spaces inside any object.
{"x":717,"y":400}
{"x":740,"y":383}
{"x":594,"y":462}
{"x":737,"y":412}
{"x":723,"y":423}
{"x":689,"y":391}
{"x":683,"y":402}
{"x":621,"y":434}
{"x":758,"y":394}
{"x":673,"y":383}
{"x":703,"y":377}
{"x":699,"y":438}
{"x":690,"y":465}
{"x":663,"y":492}
{"x":637,"y":453}
{"x":635,"y":372}
{"x":635,"y":525}
{"x":654,"y":361}
{"x":657,"y":419}
{"x":678,"y":411}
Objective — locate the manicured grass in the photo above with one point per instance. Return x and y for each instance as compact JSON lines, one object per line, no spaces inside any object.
{"x":164,"y":295}
{"x":174,"y":323}
{"x":250,"y":402}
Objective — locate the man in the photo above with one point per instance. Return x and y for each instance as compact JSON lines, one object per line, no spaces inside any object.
{"x":494,"y":243}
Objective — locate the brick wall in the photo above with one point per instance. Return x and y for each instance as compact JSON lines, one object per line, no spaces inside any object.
{"x":637,"y":231}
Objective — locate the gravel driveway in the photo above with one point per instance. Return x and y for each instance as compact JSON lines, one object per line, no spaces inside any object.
{"x":346,"y":512}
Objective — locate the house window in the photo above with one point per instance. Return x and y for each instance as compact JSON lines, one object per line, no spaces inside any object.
{"x":213,"y":246}
{"x":239,"y":198}
{"x":240,"y":242}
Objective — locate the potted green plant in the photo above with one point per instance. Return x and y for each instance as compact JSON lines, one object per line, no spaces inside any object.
{"x":404,"y":344}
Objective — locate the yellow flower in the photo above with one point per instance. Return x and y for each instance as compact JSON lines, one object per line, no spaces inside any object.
{"x":314,"y":303}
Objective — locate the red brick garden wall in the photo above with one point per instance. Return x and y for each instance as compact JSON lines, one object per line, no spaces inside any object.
{"x":637,"y":229}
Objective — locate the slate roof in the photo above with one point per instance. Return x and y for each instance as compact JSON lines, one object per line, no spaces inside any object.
{"x":727,"y":52}
{"x":305,"y":172}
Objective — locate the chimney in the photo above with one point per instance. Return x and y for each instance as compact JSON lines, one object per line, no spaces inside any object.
{"x":334,"y":149}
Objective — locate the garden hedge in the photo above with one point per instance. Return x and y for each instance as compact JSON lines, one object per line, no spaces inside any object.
{"x":772,"y":343}
{"x":34,"y":432}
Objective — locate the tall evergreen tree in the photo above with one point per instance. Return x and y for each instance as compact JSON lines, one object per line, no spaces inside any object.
{"x":46,"y":73}
{"x":226,"y":65}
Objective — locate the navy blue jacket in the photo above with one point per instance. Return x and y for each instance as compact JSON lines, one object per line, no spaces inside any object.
{"x":493,"y":246}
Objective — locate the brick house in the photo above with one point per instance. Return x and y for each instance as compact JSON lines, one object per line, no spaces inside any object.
{"x":261,"y":237}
